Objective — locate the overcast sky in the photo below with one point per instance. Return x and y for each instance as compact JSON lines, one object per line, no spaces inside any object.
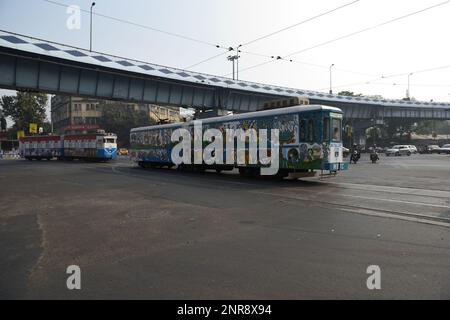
{"x":415,"y":43}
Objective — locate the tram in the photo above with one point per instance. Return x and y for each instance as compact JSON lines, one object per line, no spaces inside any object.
{"x":310,"y":140}
{"x":95,"y":146}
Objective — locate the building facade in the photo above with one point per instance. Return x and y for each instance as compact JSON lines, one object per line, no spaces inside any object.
{"x":69,"y":112}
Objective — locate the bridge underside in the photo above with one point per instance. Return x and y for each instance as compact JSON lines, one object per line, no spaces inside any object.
{"x":364,"y":111}
{"x":32,"y":73}
{"x":28,"y":71}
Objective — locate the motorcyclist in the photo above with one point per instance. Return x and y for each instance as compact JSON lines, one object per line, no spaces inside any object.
{"x":374,"y":155}
{"x":355,"y":154}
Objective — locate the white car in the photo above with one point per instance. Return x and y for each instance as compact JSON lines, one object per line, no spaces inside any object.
{"x":399,"y":150}
{"x":444,"y":149}
{"x":413,"y":149}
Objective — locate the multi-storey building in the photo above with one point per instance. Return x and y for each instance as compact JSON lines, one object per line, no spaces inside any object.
{"x":69,"y":112}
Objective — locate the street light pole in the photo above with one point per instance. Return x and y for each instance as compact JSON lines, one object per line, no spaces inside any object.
{"x":407,"y":91}
{"x":90,"y":42}
{"x":331,"y":83}
{"x":232,"y":58}
{"x":237,"y":61}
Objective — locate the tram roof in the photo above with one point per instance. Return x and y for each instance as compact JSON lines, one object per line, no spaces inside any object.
{"x":234,"y":117}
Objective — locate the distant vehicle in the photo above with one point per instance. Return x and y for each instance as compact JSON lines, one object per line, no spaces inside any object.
{"x":431,"y":149}
{"x":413,"y":149}
{"x":94,"y":147}
{"x":377,"y":149}
{"x":122,"y":152}
{"x":444,"y":149}
{"x":399,"y":150}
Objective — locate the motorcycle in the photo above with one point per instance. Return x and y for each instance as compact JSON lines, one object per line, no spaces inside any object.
{"x":355,"y":156}
{"x":374,"y":157}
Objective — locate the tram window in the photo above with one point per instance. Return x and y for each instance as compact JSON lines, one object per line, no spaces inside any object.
{"x":311,"y":130}
{"x":302,"y":130}
{"x":337,"y":128}
{"x":326,"y":129}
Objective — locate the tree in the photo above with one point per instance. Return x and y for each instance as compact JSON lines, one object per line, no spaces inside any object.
{"x":400,"y":127}
{"x":424,"y":127}
{"x":25,"y":108}
{"x":349,"y":94}
{"x":3,"y":124}
{"x":373,"y":134}
{"x":120,"y":119}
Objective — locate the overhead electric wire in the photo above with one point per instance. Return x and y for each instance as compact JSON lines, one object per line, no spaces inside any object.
{"x":369,"y":28}
{"x":173,"y":34}
{"x":275,"y":58}
{"x":202,"y":41}
{"x":300,"y":23}
{"x":272,"y":57}
{"x":351,"y":34}
{"x":189,"y":38}
{"x":372,"y":81}
{"x":206,"y":60}
{"x":429,"y":85}
{"x":281,"y":30}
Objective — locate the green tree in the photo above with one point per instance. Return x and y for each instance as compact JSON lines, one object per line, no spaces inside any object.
{"x":2,"y":124}
{"x":424,"y":127}
{"x":373,"y":134}
{"x":349,"y":94}
{"x":399,"y":127}
{"x":120,"y":119}
{"x":25,"y":108}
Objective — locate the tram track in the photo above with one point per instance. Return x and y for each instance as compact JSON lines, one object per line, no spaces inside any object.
{"x":376,"y":209}
{"x":411,"y":204}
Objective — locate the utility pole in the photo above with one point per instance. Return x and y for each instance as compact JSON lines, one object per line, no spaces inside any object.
{"x":90,"y":42}
{"x":232,"y":58}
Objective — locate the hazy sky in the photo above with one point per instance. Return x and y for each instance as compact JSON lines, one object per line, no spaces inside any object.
{"x":416,"y":43}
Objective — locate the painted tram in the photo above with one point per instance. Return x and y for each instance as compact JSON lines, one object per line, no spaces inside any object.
{"x":98,"y":146}
{"x":310,"y":140}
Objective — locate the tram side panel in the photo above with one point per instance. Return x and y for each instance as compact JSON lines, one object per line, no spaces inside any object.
{"x":39,"y":148}
{"x":80,"y":147}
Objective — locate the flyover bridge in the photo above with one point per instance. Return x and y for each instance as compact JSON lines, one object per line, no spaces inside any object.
{"x":28,"y":63}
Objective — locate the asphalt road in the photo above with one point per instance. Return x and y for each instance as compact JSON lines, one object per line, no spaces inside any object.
{"x":163,"y":234}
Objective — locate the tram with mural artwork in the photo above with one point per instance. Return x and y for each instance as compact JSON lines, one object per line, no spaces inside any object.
{"x":310,"y":140}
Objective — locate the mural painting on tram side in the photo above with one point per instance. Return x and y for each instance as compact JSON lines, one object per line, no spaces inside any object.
{"x":301,"y":144}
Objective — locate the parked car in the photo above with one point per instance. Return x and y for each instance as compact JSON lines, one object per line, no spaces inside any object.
{"x":444,"y":149}
{"x":399,"y":150}
{"x":122,"y":152}
{"x":433,"y":148}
